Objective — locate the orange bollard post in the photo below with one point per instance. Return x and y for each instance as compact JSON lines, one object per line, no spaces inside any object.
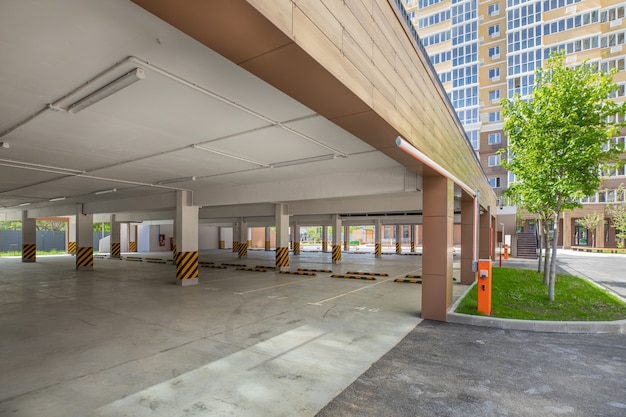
{"x":484,"y":286}
{"x":506,"y":251}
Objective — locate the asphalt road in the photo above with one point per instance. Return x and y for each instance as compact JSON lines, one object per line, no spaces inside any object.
{"x":443,"y":369}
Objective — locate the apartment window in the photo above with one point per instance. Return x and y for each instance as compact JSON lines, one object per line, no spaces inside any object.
{"x":493,"y":31}
{"x":494,"y":116}
{"x":494,"y":96}
{"x":493,"y":9}
{"x":494,"y":53}
{"x":494,"y":182}
{"x":495,"y":138}
{"x":494,"y":74}
{"x":473,"y":138}
{"x":493,"y":161}
{"x":511,"y":178}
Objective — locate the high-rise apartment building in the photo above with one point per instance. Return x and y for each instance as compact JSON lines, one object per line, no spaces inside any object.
{"x":486,"y":50}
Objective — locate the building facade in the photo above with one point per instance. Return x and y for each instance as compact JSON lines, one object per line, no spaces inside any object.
{"x":486,"y":50}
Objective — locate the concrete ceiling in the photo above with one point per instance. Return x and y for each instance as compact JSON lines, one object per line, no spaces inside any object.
{"x":194,"y":115}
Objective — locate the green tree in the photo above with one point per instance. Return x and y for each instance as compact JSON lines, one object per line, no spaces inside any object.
{"x":591,"y":222}
{"x":556,"y":139}
{"x":617,"y":211}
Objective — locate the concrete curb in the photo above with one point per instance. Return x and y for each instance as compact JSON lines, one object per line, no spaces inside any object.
{"x":590,"y":327}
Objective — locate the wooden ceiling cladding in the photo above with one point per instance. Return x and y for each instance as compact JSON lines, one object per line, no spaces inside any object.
{"x":352,"y":62}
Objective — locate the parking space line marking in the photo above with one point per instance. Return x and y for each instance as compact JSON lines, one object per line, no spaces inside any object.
{"x":273,"y":286}
{"x":319,"y":303}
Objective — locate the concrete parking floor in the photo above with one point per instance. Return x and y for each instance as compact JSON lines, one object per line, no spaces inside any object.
{"x":123,"y":339}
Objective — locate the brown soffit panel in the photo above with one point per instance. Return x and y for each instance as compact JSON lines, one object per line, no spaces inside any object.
{"x":231,"y":28}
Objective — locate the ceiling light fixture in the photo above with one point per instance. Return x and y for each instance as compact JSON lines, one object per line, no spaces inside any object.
{"x":24,"y":204}
{"x":111,"y":88}
{"x":175,"y":180}
{"x":303,"y":161}
{"x":112,"y":190}
{"x":239,"y":158}
{"x":57,"y":199}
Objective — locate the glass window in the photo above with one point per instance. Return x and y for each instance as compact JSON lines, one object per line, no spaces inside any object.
{"x":494,"y":160}
{"x":494,"y":182}
{"x":494,"y":31}
{"x":494,"y":116}
{"x":494,"y":138}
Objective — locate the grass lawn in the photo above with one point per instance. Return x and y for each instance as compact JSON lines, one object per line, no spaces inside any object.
{"x":520,"y":294}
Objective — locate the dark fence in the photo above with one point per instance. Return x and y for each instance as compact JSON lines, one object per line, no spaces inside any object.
{"x":11,"y":240}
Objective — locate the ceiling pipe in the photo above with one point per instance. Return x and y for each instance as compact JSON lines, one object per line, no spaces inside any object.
{"x":420,"y":156}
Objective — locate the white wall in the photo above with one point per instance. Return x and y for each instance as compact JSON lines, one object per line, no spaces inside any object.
{"x":208,"y":237}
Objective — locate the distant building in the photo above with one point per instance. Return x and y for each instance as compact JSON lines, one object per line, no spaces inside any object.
{"x":485,"y":50}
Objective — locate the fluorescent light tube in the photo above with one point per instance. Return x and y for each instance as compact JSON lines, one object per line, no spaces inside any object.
{"x":111,"y":88}
{"x":24,"y":204}
{"x":58,"y":199}
{"x":175,"y":180}
{"x":112,"y":190}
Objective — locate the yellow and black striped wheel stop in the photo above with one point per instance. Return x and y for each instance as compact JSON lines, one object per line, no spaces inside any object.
{"x":375,"y":274}
{"x":410,"y":281}
{"x":71,"y":248}
{"x":282,"y":257}
{"x":116,"y":249}
{"x":84,"y":258}
{"x":29,"y":252}
{"x":187,"y":265}
{"x":311,"y":274}
{"x":368,"y":277}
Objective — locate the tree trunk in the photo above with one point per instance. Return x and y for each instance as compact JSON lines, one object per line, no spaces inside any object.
{"x":546,"y":245}
{"x":553,"y":260}
{"x":540,"y":248}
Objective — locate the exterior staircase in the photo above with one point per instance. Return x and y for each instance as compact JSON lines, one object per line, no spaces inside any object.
{"x":527,"y":245}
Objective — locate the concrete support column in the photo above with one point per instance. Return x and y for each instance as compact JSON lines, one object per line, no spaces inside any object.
{"x":336,"y":255}
{"x":132,"y":237}
{"x":268,"y":238}
{"x":71,"y":235}
{"x":325,"y":239}
{"x":468,"y":239}
{"x":242,"y":226}
{"x":116,"y":241}
{"x":29,"y":238}
{"x":346,"y":238}
{"x":84,"y":240}
{"x":186,"y":233}
{"x":438,"y":218}
{"x":398,"y":239}
{"x":378,"y":239}
{"x":599,"y":236}
{"x":485,"y":241}
{"x":236,"y":238}
{"x":282,"y":236}
{"x":566,"y":233}
{"x":295,"y":231}
{"x":416,"y":234}
{"x":222,"y":239}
